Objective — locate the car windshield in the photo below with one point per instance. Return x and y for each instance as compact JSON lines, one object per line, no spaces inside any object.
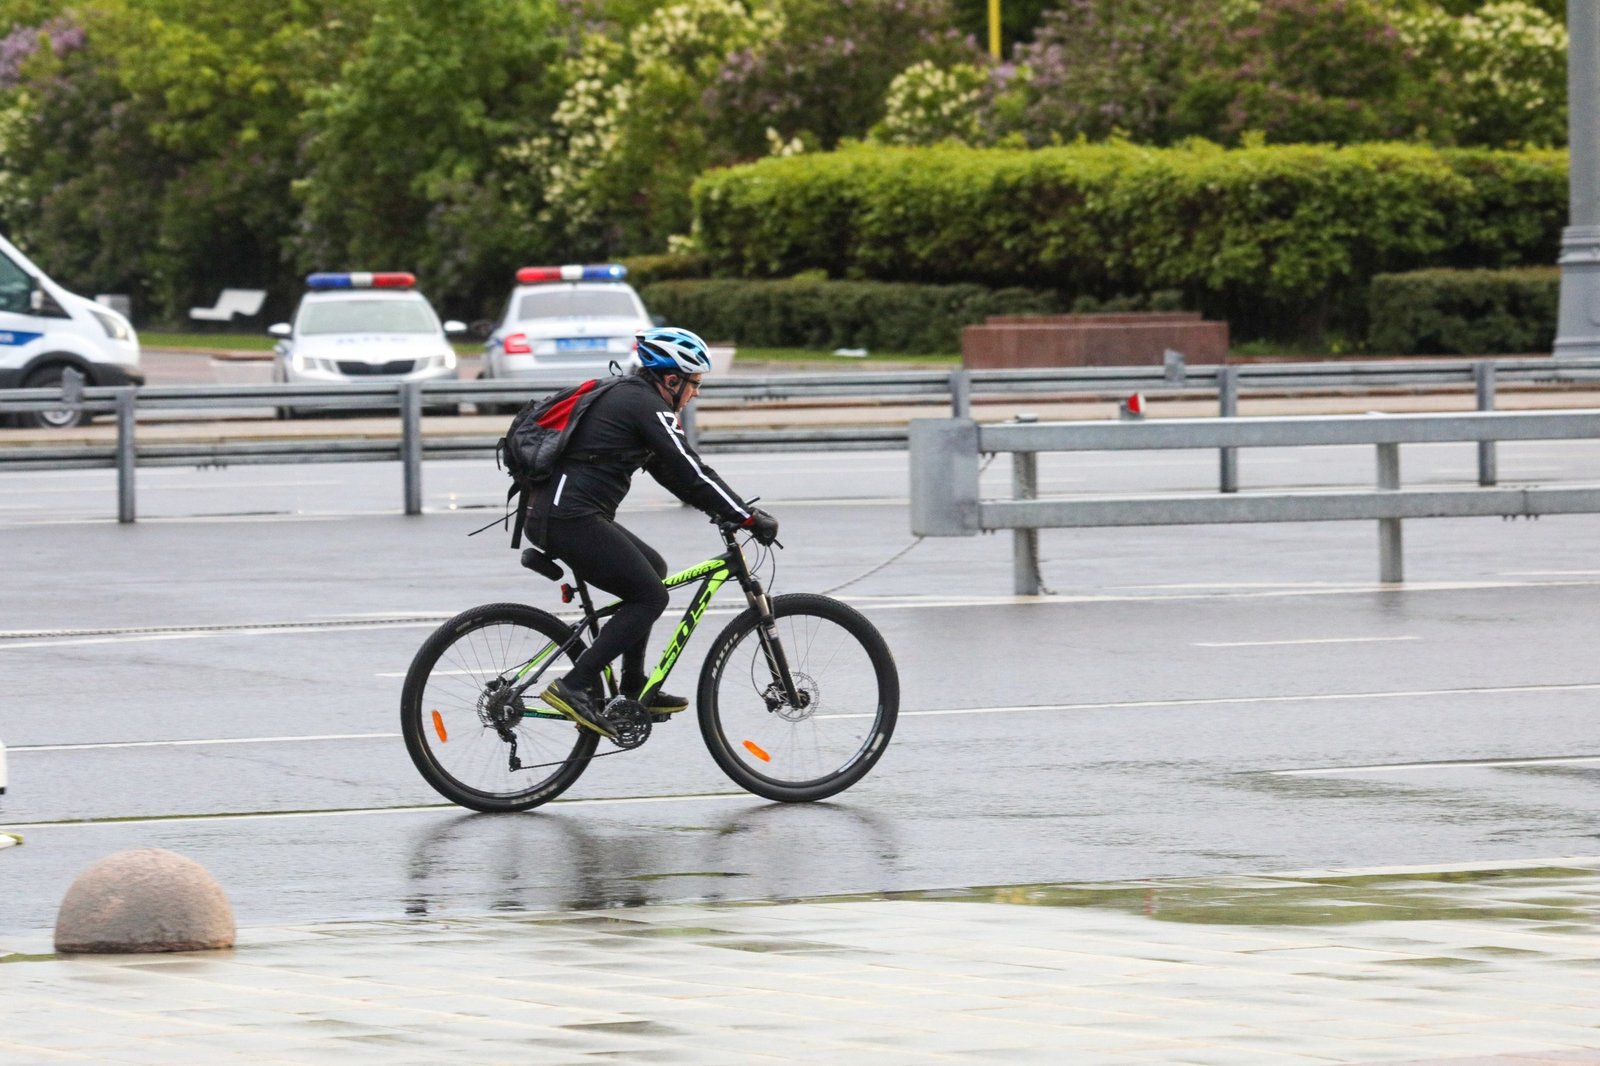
{"x":367,"y":316}
{"x":576,"y":303}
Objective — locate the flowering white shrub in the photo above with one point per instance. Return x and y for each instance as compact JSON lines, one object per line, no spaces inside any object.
{"x":1506,"y":67}
{"x":927,"y":104}
{"x":630,"y":131}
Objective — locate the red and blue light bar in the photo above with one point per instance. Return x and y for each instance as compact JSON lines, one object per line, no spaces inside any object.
{"x":596,"y":272}
{"x":394,"y":279}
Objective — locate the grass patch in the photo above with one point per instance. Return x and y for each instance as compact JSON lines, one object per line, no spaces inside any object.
{"x":233,"y":342}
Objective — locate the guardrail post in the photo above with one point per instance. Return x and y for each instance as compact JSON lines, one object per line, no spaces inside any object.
{"x":125,"y":456}
{"x":1391,"y":564}
{"x":960,"y":394}
{"x":1228,"y":407}
{"x":1025,"y":542}
{"x":411,"y":444}
{"x":1483,"y":378}
{"x":691,"y":429}
{"x":944,"y":477}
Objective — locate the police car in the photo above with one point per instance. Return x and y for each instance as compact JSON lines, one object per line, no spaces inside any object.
{"x":566,"y":321}
{"x":45,"y":331}
{"x":363,"y":327}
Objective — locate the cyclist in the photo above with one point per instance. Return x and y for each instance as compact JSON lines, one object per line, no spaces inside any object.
{"x":632,"y":425}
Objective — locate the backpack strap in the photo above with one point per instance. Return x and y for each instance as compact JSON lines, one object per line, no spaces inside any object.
{"x":518,"y":516}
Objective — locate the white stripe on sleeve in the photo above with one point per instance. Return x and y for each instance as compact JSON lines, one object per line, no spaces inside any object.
{"x":669,"y":422}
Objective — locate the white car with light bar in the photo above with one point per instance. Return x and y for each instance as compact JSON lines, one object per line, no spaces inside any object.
{"x":563,"y":322}
{"x":363,"y":327}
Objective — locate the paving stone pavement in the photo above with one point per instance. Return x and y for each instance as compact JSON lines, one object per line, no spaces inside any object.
{"x":1422,"y":964}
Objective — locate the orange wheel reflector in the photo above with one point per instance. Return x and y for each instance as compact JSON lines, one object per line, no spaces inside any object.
{"x":751,"y":746}
{"x":438,"y":727}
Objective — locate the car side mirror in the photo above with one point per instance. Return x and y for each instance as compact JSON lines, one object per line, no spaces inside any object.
{"x":35,"y":297}
{"x":453,"y":327}
{"x":658,"y":320}
{"x":481,"y":329}
{"x":279,"y":329}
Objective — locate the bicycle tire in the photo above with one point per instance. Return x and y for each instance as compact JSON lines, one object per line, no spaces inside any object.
{"x":844,"y":669}
{"x":451,"y":742}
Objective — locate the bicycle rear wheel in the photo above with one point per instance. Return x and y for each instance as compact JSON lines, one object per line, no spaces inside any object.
{"x":849,"y":698}
{"x":463,"y":739}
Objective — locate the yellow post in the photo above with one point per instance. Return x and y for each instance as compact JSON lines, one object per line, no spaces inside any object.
{"x":994,"y":28}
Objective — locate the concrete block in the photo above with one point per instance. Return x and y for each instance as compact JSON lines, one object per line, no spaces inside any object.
{"x":147,"y":899}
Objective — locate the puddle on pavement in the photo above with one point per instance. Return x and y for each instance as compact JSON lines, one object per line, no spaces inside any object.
{"x":1568,"y":896}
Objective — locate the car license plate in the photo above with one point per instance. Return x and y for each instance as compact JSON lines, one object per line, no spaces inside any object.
{"x":579,"y":344}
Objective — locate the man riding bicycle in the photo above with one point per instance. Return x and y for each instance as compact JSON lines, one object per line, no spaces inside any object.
{"x":633,"y":425}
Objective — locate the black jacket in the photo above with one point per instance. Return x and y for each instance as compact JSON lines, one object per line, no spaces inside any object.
{"x":632,"y":422}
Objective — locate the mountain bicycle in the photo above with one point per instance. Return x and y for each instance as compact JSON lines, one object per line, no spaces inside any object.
{"x":797,"y":698}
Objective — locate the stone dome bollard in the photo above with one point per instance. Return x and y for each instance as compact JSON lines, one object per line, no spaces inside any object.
{"x":147,"y":899}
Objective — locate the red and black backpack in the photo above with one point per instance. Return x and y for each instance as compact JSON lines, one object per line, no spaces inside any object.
{"x":537,"y":440}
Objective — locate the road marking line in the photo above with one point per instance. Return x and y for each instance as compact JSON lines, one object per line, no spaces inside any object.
{"x":205,"y":487}
{"x":1281,"y":643}
{"x":1206,"y":701}
{"x":1455,"y":764}
{"x":8,"y":640}
{"x":198,"y":743}
{"x":428,"y":808}
{"x":67,"y":638}
{"x":1219,"y":701}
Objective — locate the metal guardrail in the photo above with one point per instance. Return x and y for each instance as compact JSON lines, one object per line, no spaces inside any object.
{"x":945,"y":498}
{"x":959,"y":389}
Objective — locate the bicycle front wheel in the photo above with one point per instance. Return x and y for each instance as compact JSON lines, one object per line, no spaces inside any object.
{"x":469,"y":742}
{"x":849,"y":697}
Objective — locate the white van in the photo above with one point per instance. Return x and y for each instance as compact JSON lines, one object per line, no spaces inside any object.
{"x":44,"y":330}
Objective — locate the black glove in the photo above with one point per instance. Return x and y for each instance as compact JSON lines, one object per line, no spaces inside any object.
{"x":762,"y":526}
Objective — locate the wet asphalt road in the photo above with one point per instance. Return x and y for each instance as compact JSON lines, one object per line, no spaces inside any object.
{"x":223,"y":679}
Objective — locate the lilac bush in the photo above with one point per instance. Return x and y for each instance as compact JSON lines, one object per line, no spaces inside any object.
{"x":824,"y":78}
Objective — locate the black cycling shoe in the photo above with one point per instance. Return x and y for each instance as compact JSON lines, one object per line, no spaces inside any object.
{"x":578,"y":707}
{"x":666,"y":703}
{"x":660,"y":703}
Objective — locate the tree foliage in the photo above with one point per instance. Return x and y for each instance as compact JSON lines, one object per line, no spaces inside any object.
{"x":169,"y":148}
{"x":403,"y":162}
{"x":610,"y":171}
{"x":1340,"y":71}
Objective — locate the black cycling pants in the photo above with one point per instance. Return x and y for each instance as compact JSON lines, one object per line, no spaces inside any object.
{"x":609,"y":557}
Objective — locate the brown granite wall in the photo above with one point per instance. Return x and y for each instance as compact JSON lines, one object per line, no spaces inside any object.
{"x":1017,"y":341}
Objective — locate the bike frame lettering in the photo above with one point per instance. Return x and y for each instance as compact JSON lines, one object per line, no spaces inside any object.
{"x":716,"y":573}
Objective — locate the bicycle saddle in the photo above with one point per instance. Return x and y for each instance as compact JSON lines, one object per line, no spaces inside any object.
{"x":540,"y":563}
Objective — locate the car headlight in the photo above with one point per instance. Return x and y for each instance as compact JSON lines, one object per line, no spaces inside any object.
{"x":115,"y":327}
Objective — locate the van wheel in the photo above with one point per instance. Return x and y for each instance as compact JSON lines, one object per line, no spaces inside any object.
{"x":49,"y":377}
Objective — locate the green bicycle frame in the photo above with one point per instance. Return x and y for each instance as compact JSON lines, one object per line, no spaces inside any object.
{"x":712,"y":574}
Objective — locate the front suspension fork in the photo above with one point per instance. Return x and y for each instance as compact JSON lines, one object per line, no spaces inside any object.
{"x":771,"y":647}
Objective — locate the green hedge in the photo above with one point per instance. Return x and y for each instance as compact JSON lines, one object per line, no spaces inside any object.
{"x":807,"y":313}
{"x":647,"y":269}
{"x":1465,"y":312}
{"x":1281,"y":241}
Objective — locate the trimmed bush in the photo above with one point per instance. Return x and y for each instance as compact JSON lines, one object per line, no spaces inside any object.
{"x":1281,"y":241}
{"x":813,"y":313}
{"x":647,"y":269}
{"x":1465,"y":312}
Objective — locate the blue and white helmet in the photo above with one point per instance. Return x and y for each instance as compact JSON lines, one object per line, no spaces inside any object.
{"x":669,"y":350}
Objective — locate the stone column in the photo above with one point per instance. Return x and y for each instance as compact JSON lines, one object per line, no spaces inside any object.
{"x":1578,"y":324}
